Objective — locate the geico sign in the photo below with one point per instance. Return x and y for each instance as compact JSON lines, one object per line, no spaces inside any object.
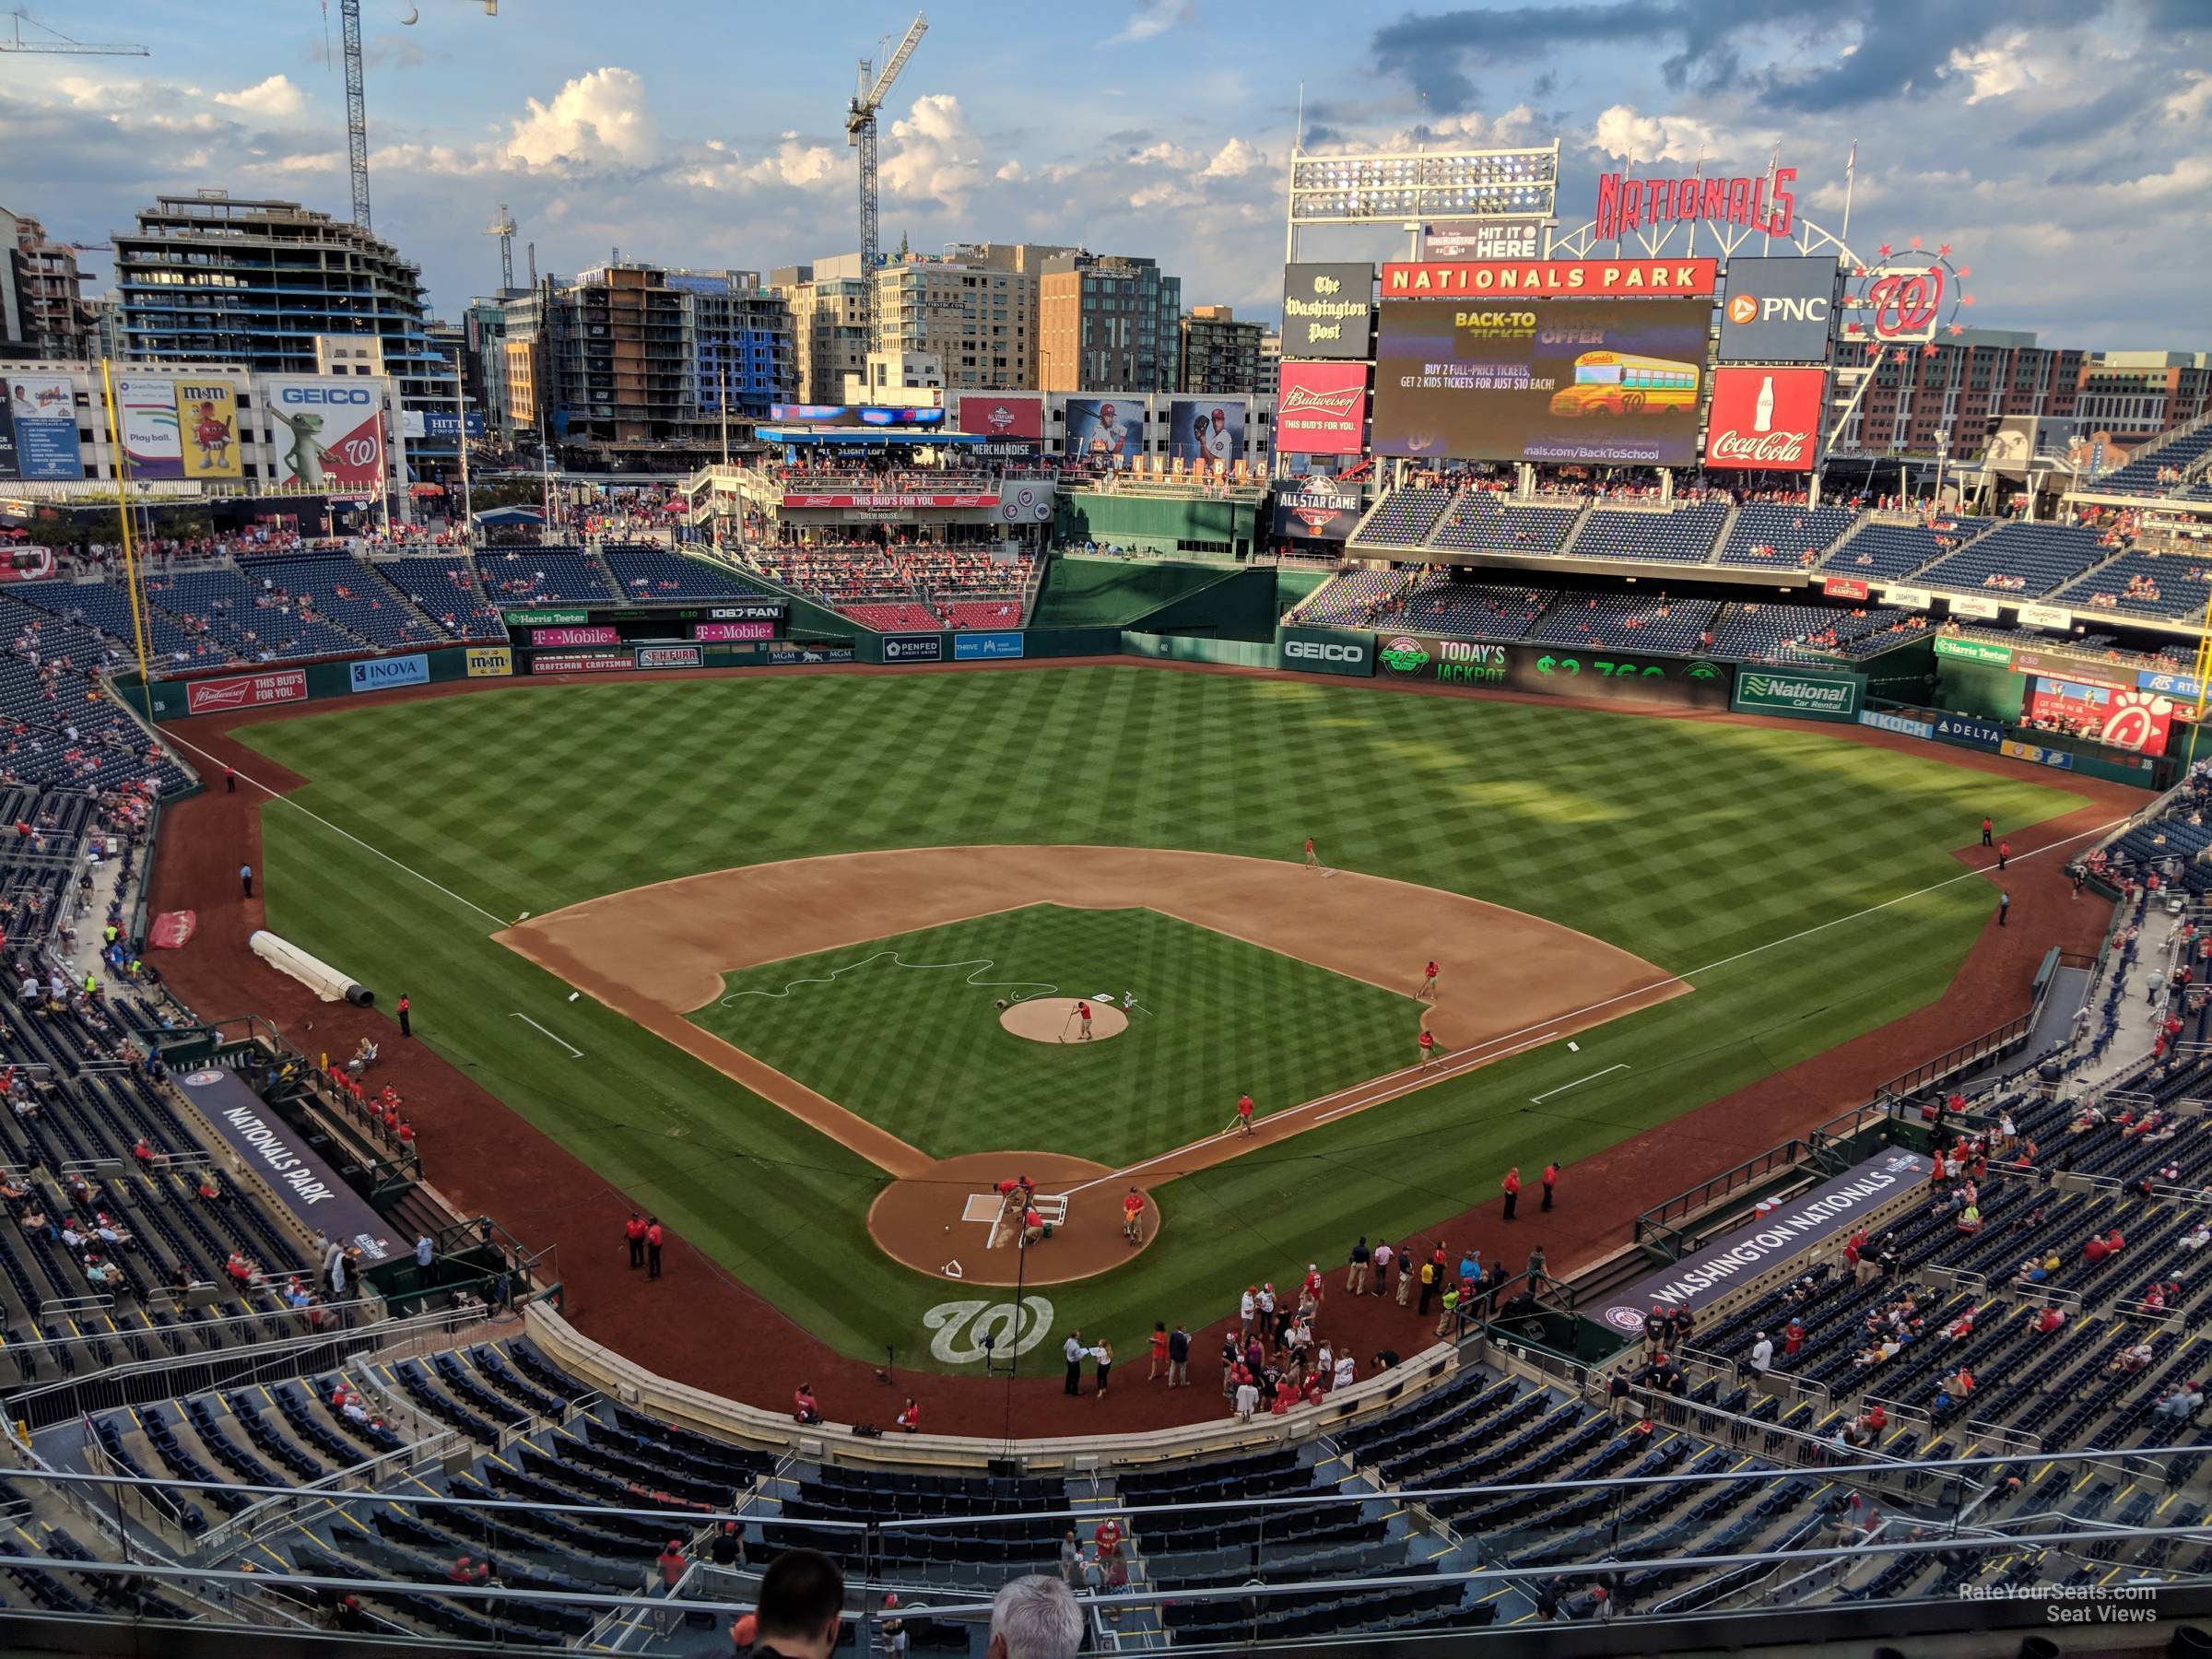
{"x":325,"y":395}
{"x":1315,"y":651}
{"x":1750,"y":308}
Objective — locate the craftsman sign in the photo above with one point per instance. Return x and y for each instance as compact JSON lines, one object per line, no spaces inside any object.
{"x":1551,"y":279}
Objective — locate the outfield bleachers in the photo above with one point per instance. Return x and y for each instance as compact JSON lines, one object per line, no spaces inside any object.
{"x":1771,"y":536}
{"x":1405,"y":517}
{"x":530,"y":576}
{"x":1628,"y":622}
{"x":1881,"y":547}
{"x":1684,"y":535}
{"x":2027,"y":560}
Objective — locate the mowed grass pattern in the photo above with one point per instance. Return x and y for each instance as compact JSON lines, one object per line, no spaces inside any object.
{"x":1687,"y":842}
{"x":919,"y":1049}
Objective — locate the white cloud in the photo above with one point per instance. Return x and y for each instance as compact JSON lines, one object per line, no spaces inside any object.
{"x":1620,"y":130}
{"x":1154,"y":18}
{"x":800,"y":165}
{"x":2192,"y":101}
{"x":1995,"y":70}
{"x":933,"y":154}
{"x":599,"y":117}
{"x":1233,"y":161}
{"x":272,"y":100}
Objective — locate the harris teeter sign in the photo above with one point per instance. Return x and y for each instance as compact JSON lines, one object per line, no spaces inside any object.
{"x":1805,"y":696}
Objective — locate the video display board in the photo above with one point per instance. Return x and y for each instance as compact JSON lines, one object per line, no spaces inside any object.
{"x":1616,"y":383}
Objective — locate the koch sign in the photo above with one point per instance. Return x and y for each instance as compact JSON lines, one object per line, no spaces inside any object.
{"x":1772,"y":1240}
{"x":264,"y":1143}
{"x":1778,"y":311}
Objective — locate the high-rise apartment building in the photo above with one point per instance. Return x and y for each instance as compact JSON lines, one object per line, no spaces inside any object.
{"x":737,"y":341}
{"x":1108,"y":323}
{"x":2139,"y":394}
{"x":1961,"y":389}
{"x":211,"y":278}
{"x":1220,"y":354}
{"x":827,"y":301}
{"x":976,"y":320}
{"x":43,"y":308}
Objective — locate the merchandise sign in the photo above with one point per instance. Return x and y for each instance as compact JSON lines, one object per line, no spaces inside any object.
{"x":890,"y":503}
{"x":1010,"y":423}
{"x":246,"y":691}
{"x":42,"y":408}
{"x":2183,"y":687}
{"x":329,"y":431}
{"x":1909,"y":598}
{"x":148,"y":409}
{"x":1766,"y":418}
{"x":1549,"y":278}
{"x":1602,"y":676}
{"x":556,"y":664}
{"x":784,"y":654}
{"x":1519,"y":238}
{"x":2139,"y":722}
{"x":207,"y":423}
{"x":1972,"y":605}
{"x":1897,"y":723}
{"x":1321,"y":409}
{"x":913,"y":648}
{"x":2040,"y":755}
{"x":1762,"y":203}
{"x":1967,"y":732}
{"x":670,"y":656}
{"x":288,"y":1162}
{"x":985,"y":647}
{"x":1778,"y":311}
{"x":376,"y":673}
{"x":1843,"y":587}
{"x":1783,"y":1234}
{"x":2050,"y":618}
{"x":543,"y":619}
{"x":1328,"y":310}
{"x":1807,"y":696}
{"x":1327,"y":651}
{"x":490,"y":661}
{"x":751,"y":610}
{"x":1967,"y":651}
{"x":723,"y":633}
{"x":599,"y":634}
{"x":1316,"y":508}
{"x":1592,"y":381}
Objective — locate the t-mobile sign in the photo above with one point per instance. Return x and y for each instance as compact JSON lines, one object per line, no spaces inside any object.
{"x":1766,"y":418}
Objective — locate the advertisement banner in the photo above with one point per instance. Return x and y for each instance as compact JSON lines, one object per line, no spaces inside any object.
{"x":1321,"y":409}
{"x":1327,"y":651}
{"x":1767,"y":418}
{"x":1520,"y":239}
{"x":543,"y":619}
{"x":890,"y":503}
{"x":445,"y":424}
{"x":1611,"y":383}
{"x":377,"y":673}
{"x":1328,"y":310}
{"x":2035,"y":752}
{"x":1972,"y":605}
{"x":723,"y":633}
{"x":1205,"y":433}
{"x":2050,"y":618}
{"x":1843,"y":587}
{"x":1907,"y":598}
{"x":1011,"y":423}
{"x":208,"y":422}
{"x":1967,"y":651}
{"x":1587,"y":676}
{"x":1803,"y":695}
{"x":1967,"y":732}
{"x":1105,"y":432}
{"x":146,"y":407}
{"x":557,"y":664}
{"x":598,"y":634}
{"x":985,"y":647}
{"x":857,"y":414}
{"x":42,"y":410}
{"x":750,"y":610}
{"x":1897,"y":723}
{"x":287,"y":1162}
{"x":328,"y":432}
{"x":2182,"y":687}
{"x":7,"y":458}
{"x":1789,"y":1230}
{"x":1549,"y":278}
{"x":2138,"y":722}
{"x":1316,"y":510}
{"x":246,"y":691}
{"x":490,"y":661}
{"x":784,"y":654}
{"x":1778,"y":311}
{"x":670,"y":656}
{"x":913,"y":648}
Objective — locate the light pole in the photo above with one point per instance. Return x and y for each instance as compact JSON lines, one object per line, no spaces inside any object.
{"x":461,"y":441}
{"x":1943,"y":456}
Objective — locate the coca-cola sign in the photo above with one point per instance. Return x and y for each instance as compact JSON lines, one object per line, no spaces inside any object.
{"x":1766,"y":419}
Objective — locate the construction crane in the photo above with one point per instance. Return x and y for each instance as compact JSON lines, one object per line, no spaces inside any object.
{"x":61,"y":44}
{"x":356,"y":103}
{"x":860,"y":133}
{"x":504,"y":228}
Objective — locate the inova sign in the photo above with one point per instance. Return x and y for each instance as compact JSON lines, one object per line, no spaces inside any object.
{"x":1805,"y":696}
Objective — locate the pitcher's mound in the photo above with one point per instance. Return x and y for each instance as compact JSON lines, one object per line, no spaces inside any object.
{"x":1053,"y":1019}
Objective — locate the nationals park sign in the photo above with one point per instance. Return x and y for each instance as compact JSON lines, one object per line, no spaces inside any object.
{"x":1552,"y":278}
{"x":1801,"y":696}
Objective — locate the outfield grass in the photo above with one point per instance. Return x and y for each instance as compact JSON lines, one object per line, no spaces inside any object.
{"x":919,"y":1050}
{"x":1685,"y":843}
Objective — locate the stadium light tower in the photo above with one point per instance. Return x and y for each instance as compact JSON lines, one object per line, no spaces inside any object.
{"x":860,"y":133}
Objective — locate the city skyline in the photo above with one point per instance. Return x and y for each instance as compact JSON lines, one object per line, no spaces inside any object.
{"x":2028,"y":141}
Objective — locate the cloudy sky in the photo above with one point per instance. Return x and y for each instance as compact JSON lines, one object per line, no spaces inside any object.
{"x":2063,"y":146}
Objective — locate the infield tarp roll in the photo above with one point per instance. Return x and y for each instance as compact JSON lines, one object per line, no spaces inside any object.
{"x":317,"y":975}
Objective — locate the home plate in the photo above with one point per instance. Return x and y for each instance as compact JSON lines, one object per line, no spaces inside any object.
{"x":981,"y":1207}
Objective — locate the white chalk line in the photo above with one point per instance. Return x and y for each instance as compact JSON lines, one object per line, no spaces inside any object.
{"x":357,"y":840}
{"x":574,"y":1052}
{"x":1562,"y":1089}
{"x":980,"y":965}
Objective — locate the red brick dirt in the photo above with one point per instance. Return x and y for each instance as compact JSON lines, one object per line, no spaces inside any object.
{"x":701,"y":1326}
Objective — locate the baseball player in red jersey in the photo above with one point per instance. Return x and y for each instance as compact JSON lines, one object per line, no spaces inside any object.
{"x":1244,"y":1114}
{"x":1312,"y":858}
{"x":1427,"y":1045}
{"x":1427,"y":991}
{"x":1133,"y":1216}
{"x":1083,"y":1014}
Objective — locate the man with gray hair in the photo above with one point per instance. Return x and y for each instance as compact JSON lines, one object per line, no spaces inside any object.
{"x":1035,"y":1616}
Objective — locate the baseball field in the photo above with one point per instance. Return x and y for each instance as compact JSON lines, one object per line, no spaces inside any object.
{"x":740,"y":945}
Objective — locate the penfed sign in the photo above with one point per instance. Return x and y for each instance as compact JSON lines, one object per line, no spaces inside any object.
{"x":1800,"y":695}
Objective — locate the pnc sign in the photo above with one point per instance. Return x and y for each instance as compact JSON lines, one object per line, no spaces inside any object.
{"x":1778,"y":311}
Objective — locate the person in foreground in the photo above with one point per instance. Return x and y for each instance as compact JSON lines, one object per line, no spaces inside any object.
{"x":801,"y":1607}
{"x":1034,"y":1616}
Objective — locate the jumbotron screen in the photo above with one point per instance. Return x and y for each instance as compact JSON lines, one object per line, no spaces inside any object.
{"x":1616,"y":383}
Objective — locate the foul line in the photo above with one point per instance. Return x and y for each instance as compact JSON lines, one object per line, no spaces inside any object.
{"x":1562,"y":1089}
{"x":980,"y":964}
{"x":357,"y":840}
{"x":573,"y":1051}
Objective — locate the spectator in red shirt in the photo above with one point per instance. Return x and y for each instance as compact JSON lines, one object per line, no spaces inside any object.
{"x":653,"y":1239}
{"x":671,"y":1564}
{"x":1551,"y":1179}
{"x":1511,"y":1187}
{"x":910,"y":1417}
{"x":633,"y":1233}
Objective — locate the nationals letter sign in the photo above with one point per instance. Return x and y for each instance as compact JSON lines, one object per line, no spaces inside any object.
{"x":1766,"y":418}
{"x":1322,"y":409}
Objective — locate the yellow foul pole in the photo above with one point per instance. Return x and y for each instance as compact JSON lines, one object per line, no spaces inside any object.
{"x":122,"y":515}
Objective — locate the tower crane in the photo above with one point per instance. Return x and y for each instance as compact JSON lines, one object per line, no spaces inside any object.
{"x":860,"y":133}
{"x":356,"y":105}
{"x":61,"y":46}
{"x":504,"y":228}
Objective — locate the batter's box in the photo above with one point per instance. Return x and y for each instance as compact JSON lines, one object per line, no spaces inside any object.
{"x":981,"y":1207}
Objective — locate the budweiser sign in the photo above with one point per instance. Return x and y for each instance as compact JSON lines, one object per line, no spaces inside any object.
{"x":1766,"y":418}
{"x":1299,"y":400}
{"x":1321,"y":409}
{"x":890,"y":503}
